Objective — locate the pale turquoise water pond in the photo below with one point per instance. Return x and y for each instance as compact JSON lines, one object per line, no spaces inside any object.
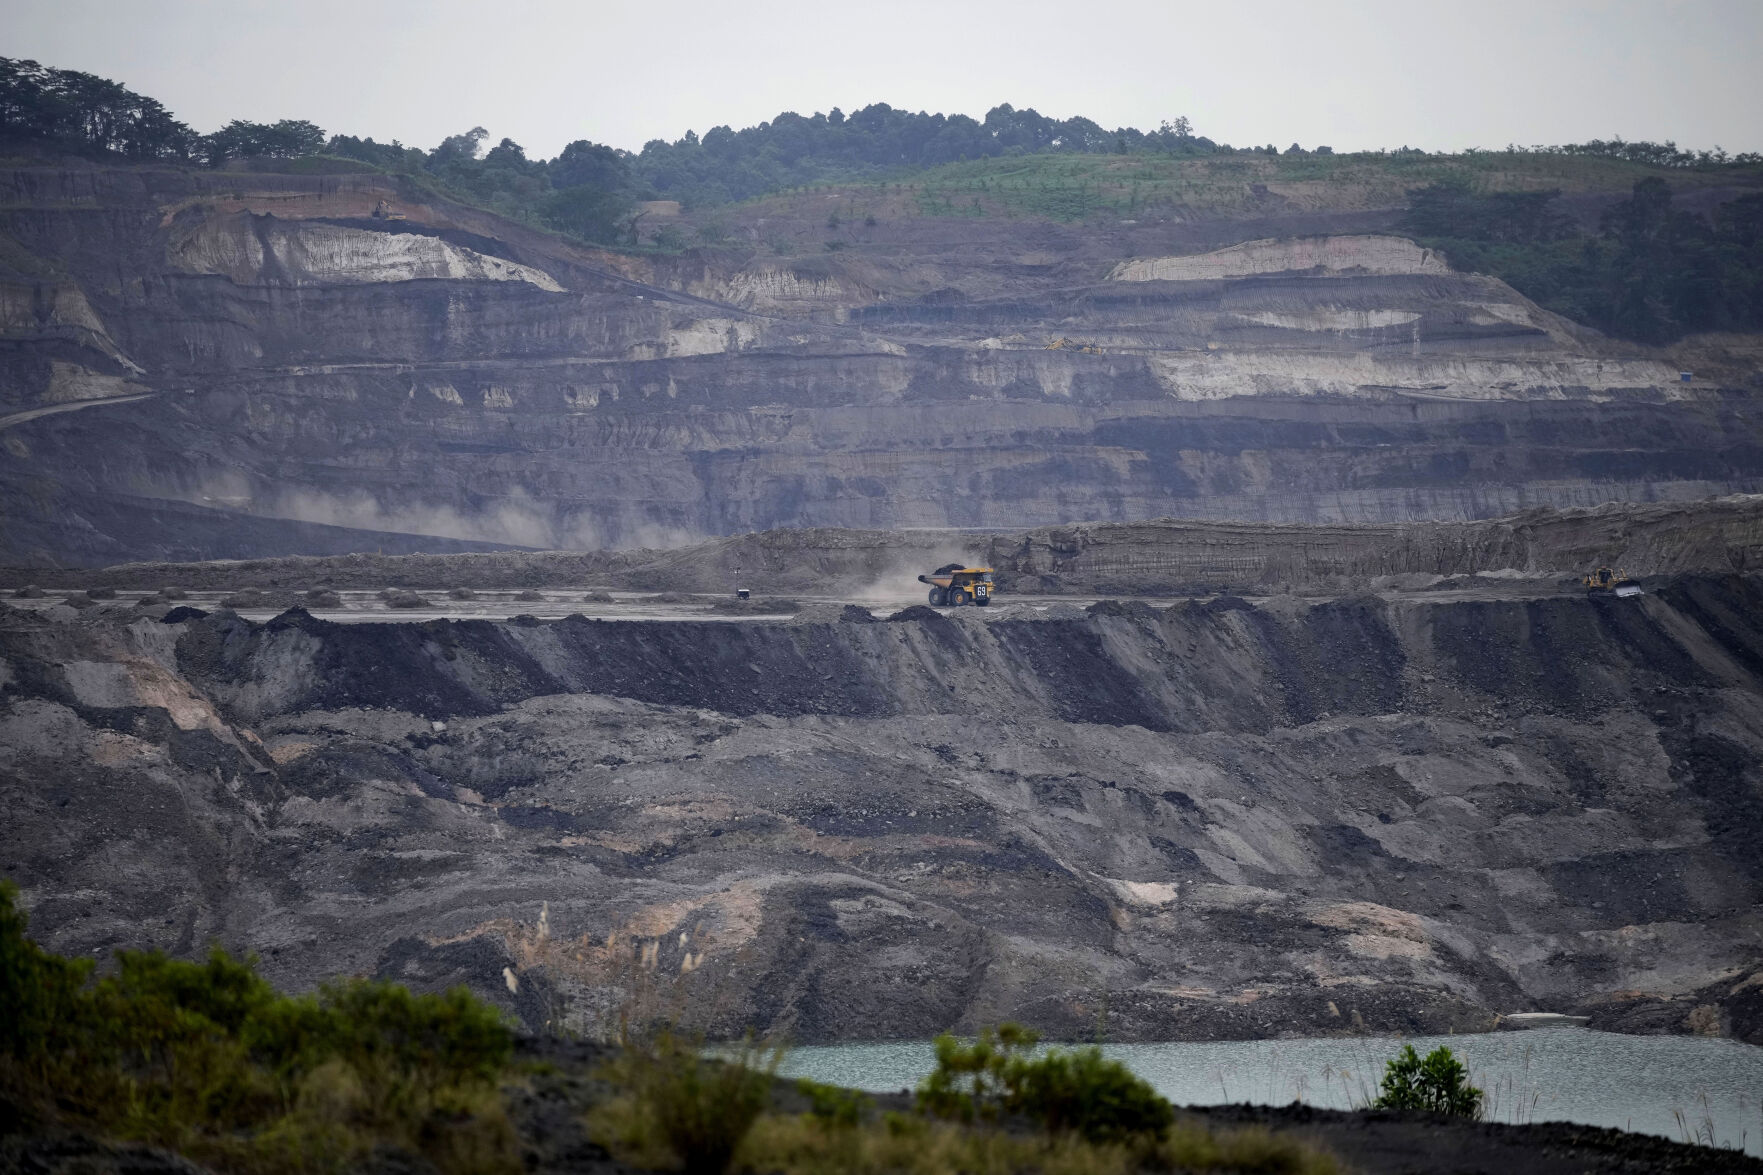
{"x":1547,"y":1074}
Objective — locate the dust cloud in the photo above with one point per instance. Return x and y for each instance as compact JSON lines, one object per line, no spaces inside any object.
{"x":516,"y":519}
{"x":897,"y":583}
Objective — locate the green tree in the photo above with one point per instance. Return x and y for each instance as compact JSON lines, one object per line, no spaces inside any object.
{"x":508,"y":156}
{"x":83,"y":113}
{"x":594,"y":165}
{"x":460,"y":148}
{"x":393,"y":156}
{"x":288,"y":139}
{"x":593,"y":214}
{"x":1439,"y":1082}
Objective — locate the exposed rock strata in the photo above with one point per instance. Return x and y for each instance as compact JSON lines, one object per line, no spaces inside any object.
{"x":1360,"y":255}
{"x":260,"y":347}
{"x":1210,"y":820}
{"x":262,"y":250}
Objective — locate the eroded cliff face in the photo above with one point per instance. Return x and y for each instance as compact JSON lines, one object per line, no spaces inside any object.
{"x":255,"y":250}
{"x":1213,"y":820}
{"x":189,"y":351}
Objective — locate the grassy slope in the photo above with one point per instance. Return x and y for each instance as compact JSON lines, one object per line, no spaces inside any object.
{"x":1078,"y":187}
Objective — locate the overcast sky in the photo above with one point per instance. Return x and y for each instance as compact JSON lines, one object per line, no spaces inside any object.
{"x":1425,"y":73}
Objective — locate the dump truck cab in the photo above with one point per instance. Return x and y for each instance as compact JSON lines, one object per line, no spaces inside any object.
{"x":954,"y":584}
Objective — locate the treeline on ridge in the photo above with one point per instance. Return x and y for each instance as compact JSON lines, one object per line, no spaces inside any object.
{"x":1650,"y":273}
{"x":589,"y":190}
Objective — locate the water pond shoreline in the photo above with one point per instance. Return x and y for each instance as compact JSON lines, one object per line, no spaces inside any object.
{"x":1701,"y":1090}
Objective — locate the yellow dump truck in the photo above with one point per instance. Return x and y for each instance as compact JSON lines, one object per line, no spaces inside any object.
{"x":1606,"y":580}
{"x":953,"y":585}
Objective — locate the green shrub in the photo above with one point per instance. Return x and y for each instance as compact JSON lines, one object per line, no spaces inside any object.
{"x":175,"y":1031}
{"x":832,"y":1104}
{"x":209,"y":1059}
{"x":968,"y":1083}
{"x":1083,"y":1092}
{"x":406,"y":1048}
{"x":684,"y":1105}
{"x":46,"y":1025}
{"x":1065,"y":1091}
{"x":1439,"y":1083}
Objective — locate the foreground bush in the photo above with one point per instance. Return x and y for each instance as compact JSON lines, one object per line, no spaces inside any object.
{"x":207,"y":1058}
{"x":1077,"y":1091}
{"x":680,"y":1108}
{"x":676,"y":1109}
{"x":1439,"y":1083}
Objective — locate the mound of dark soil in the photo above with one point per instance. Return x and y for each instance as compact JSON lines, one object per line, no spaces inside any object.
{"x":1134,"y":608}
{"x":1378,"y":1141}
{"x":1733,"y":1007}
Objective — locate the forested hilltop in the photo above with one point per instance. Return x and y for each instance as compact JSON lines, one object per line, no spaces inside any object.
{"x":1645,"y":270}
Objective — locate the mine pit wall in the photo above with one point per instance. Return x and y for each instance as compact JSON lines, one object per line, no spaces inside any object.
{"x":300,"y":364}
{"x":1221,"y":664}
{"x":1213,"y":820}
{"x":631,"y":454}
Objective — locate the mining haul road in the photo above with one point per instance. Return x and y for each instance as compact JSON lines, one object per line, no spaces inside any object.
{"x":368,"y":606}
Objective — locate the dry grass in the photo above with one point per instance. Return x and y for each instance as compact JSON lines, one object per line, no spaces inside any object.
{"x":684,"y":1110}
{"x":901,"y":1145}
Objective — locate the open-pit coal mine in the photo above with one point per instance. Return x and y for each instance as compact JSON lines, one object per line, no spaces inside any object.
{"x":1220,"y":817}
{"x":371,"y":562}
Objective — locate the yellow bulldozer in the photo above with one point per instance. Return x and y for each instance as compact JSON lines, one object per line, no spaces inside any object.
{"x":1606,"y":581}
{"x":955,"y":584}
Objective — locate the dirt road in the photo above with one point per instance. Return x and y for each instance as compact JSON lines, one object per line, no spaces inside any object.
{"x":7,"y":422}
